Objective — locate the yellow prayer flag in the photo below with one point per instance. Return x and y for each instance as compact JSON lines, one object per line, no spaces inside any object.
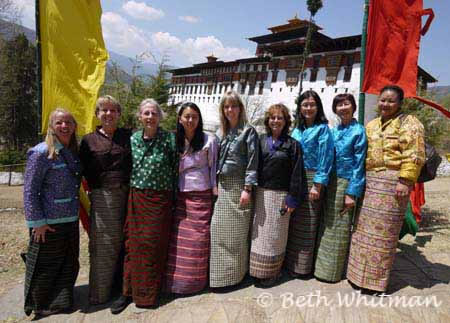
{"x":73,"y":59}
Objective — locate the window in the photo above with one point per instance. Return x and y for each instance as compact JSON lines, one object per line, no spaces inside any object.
{"x":251,"y":89}
{"x":292,"y":77}
{"x":243,"y":88}
{"x":264,"y":68}
{"x":347,"y":73}
{"x":247,"y":67}
{"x":274,"y":76}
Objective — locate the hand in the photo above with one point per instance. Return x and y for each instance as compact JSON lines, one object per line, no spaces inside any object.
{"x":245,"y":198}
{"x":215,"y":191}
{"x":314,"y":193}
{"x":349,"y":203}
{"x":39,"y":233}
{"x":289,"y":211}
{"x":402,"y":191}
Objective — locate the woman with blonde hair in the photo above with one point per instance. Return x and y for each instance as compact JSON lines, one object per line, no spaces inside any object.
{"x":51,"y":202}
{"x":237,"y":175}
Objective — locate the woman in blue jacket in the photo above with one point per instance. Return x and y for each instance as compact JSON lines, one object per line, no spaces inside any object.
{"x":315,"y":138}
{"x":346,"y":185}
{"x":51,"y":202}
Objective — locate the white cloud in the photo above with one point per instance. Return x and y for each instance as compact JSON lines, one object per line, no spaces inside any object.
{"x":189,"y":19}
{"x":122,"y":37}
{"x":27,"y":18}
{"x":192,"y":51}
{"x":140,"y":10}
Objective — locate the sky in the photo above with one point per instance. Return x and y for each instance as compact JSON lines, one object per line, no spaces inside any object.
{"x":188,"y":31}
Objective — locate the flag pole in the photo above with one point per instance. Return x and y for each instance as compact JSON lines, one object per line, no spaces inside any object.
{"x":38,"y":68}
{"x":362,"y":95}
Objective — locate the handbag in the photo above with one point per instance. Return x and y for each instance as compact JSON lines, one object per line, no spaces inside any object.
{"x":432,"y":162}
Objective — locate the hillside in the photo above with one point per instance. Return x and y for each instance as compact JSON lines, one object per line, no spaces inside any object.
{"x":125,"y":64}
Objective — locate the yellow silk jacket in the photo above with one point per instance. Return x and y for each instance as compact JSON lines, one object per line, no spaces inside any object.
{"x":397,"y":144}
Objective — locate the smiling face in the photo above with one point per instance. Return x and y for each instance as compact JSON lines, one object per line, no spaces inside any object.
{"x":231,"y":111}
{"x":149,"y":116}
{"x":109,"y":115}
{"x":189,"y":119}
{"x":63,"y":127}
{"x":344,"y":110}
{"x":308,"y":109}
{"x":389,"y":104}
{"x":276,"y":122}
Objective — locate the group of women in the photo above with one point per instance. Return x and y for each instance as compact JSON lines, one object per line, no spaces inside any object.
{"x":180,"y":211}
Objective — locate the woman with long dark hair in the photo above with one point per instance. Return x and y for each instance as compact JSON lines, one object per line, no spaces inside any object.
{"x":187,"y":266}
{"x":315,"y":138}
{"x":345,"y":186}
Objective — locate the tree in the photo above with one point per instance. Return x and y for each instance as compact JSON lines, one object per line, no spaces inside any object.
{"x":313,"y":7}
{"x":436,"y":125}
{"x":130,"y":90}
{"x":18,"y":106}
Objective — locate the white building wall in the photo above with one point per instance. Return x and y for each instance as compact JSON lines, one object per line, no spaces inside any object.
{"x":278,"y":92}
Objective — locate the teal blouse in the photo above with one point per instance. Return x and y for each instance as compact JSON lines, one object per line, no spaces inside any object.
{"x":318,"y":150}
{"x":351,"y":145}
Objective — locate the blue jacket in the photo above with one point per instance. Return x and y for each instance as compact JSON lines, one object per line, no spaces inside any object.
{"x":350,"y":143}
{"x":51,"y":186}
{"x":318,"y":150}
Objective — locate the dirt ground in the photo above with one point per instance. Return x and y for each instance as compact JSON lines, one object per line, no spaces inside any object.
{"x":432,"y":239}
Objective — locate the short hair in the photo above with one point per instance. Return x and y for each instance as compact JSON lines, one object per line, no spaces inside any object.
{"x":107,"y":99}
{"x":341,"y":98}
{"x":150,"y":101}
{"x":199,"y":140}
{"x":286,"y":115}
{"x":50,"y":137}
{"x":395,"y":88}
{"x":236,"y":99}
{"x":320,"y":116}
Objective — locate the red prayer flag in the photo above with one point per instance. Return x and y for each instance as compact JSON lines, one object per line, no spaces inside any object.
{"x":393,"y":39}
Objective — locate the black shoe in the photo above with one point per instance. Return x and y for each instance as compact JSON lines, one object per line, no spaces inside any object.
{"x":120,"y":304}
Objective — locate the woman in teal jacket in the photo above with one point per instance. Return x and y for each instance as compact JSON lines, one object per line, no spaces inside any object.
{"x":315,"y":138}
{"x":345,"y":186}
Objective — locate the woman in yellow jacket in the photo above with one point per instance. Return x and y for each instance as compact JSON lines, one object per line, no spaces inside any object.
{"x":395,"y":155}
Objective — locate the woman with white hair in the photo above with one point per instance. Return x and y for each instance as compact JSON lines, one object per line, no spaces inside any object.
{"x":51,"y":202}
{"x":153,"y":180}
